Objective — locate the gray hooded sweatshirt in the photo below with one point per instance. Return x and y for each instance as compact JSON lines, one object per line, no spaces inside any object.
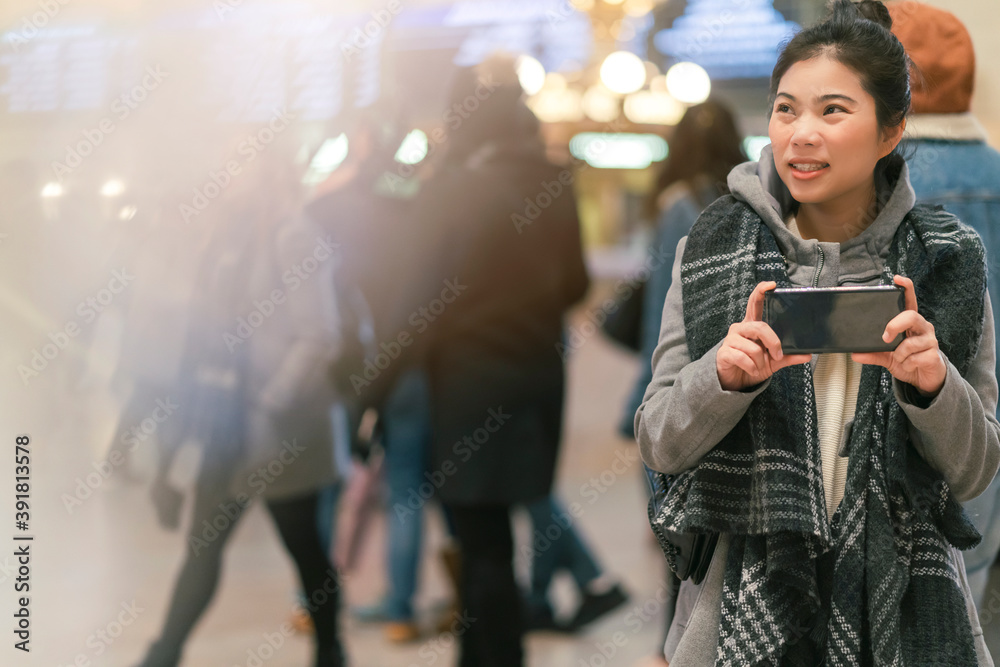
{"x":685,"y":411}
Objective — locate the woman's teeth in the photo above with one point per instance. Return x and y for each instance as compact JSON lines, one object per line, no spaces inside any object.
{"x":809,"y":167}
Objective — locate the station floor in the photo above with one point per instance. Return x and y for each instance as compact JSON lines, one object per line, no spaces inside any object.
{"x":102,"y":570}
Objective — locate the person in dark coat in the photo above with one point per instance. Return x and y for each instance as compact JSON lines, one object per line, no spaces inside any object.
{"x":502,"y":264}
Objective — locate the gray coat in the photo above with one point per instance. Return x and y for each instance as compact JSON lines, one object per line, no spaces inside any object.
{"x":289,"y":448}
{"x":685,"y":412}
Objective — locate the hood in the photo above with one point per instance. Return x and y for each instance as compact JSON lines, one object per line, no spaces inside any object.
{"x":759,"y":186}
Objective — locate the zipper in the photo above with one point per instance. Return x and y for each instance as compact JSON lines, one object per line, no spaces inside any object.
{"x":819,"y":267}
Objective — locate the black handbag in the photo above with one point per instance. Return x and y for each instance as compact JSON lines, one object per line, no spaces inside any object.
{"x":688,"y":554}
{"x":624,"y":324}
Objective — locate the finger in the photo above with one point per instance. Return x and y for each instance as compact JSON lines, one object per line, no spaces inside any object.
{"x":760,"y":331}
{"x":910,"y":322}
{"x":790,"y":360}
{"x":755,"y":304}
{"x":914,"y":345}
{"x":908,"y":290}
{"x":752,"y":350}
{"x":883,"y":359}
{"x":733,"y":358}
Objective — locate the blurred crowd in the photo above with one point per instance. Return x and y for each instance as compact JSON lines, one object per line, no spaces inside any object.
{"x":388,"y":341}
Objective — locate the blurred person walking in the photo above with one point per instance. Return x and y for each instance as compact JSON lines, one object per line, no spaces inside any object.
{"x":705,"y":146}
{"x":952,"y":166}
{"x":558,"y":545}
{"x":264,"y":331}
{"x":367,"y":209}
{"x":500,"y":272}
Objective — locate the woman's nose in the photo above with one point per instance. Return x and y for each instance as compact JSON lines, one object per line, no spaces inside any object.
{"x":805,"y":132}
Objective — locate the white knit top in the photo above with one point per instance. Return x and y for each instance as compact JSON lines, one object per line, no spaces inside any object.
{"x":836,"y":379}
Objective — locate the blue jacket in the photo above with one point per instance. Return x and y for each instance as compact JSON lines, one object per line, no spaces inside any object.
{"x":951,"y":165}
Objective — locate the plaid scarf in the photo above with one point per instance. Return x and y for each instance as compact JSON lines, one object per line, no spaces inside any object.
{"x":874,"y":585}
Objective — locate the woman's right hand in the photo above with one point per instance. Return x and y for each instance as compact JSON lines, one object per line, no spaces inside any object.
{"x":751,"y":352}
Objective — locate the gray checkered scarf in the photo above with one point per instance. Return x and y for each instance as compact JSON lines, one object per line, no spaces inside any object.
{"x":874,"y":585}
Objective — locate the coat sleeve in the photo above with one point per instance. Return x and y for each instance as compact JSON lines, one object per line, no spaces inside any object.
{"x":957,"y":432}
{"x":685,"y":411}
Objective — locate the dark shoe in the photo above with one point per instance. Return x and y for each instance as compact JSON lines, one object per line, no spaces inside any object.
{"x":541,"y":619}
{"x":594,"y":606}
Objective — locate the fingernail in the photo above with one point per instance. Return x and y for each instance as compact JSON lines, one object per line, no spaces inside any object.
{"x":885,"y":336}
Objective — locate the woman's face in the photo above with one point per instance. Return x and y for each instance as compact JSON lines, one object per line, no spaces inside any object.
{"x":825,"y":136}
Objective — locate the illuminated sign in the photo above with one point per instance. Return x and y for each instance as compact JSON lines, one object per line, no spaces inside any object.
{"x":730,"y":40}
{"x":618,"y":151}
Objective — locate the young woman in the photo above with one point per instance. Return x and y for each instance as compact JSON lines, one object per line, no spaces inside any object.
{"x":833,"y":480}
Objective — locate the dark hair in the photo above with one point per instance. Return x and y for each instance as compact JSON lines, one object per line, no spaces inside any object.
{"x":704,"y":145}
{"x":859,"y":36}
{"x":484,"y":110}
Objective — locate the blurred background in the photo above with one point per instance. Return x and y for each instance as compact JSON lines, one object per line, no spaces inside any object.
{"x":121,"y":124}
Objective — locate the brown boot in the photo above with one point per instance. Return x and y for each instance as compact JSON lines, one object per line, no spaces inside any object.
{"x":451,"y":558}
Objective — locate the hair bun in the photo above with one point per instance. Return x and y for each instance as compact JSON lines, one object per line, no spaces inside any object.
{"x":876,"y":12}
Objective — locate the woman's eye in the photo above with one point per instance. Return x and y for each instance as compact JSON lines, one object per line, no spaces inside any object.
{"x":783,"y":108}
{"x":832,"y":109}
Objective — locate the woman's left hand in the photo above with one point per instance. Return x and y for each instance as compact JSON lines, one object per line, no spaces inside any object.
{"x":917,"y":360}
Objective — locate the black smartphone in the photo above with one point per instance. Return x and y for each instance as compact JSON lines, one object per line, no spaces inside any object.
{"x":814,"y":320}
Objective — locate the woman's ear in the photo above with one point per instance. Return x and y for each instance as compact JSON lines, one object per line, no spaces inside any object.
{"x":891,"y":138}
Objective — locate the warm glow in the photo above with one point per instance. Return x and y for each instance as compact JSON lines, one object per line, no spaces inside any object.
{"x":555,"y":81}
{"x":623,"y":72}
{"x":600,"y":105}
{"x":653,"y":108}
{"x":52,"y":190}
{"x":557,"y":106}
{"x":638,"y":7}
{"x":531,"y":74}
{"x":112,"y":188}
{"x":688,"y":82}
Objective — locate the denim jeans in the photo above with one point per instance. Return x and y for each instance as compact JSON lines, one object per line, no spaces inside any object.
{"x":556,"y":544}
{"x":406,"y":430}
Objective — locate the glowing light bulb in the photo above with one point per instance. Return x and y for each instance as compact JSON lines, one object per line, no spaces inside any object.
{"x":623,"y":72}
{"x":531,"y":74}
{"x":689,"y":83}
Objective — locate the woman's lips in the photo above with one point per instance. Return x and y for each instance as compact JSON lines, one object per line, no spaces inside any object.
{"x":807,"y":170}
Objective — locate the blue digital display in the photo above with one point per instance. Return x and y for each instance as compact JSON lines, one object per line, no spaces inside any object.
{"x":731,"y":40}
